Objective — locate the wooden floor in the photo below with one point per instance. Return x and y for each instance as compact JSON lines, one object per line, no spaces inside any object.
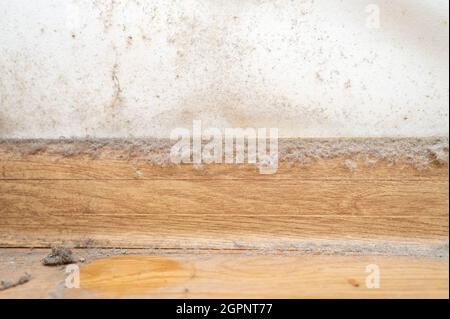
{"x":392,"y":215}
{"x":212,"y":274}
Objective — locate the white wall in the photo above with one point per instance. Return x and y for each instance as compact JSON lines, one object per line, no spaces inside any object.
{"x":123,"y":68}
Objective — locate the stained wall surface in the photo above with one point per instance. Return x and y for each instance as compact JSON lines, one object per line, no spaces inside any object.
{"x":124,"y":68}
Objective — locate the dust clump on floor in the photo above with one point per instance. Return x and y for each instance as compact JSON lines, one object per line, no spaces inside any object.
{"x":59,"y":256}
{"x":7,"y":284}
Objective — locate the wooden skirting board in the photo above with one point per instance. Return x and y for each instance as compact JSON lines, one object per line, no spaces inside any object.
{"x":344,"y":212}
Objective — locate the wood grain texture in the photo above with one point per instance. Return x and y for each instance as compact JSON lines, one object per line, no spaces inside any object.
{"x":227,"y":275}
{"x":191,"y":213}
{"x":263,"y":277}
{"x":225,"y":231}
{"x":105,"y":202}
{"x":85,"y":168}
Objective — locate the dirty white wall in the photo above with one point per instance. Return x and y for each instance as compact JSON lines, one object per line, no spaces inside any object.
{"x":124,"y":68}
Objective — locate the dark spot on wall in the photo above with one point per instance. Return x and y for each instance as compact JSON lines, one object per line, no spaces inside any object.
{"x":319,"y":77}
{"x":348,"y":84}
{"x":117,"y":98}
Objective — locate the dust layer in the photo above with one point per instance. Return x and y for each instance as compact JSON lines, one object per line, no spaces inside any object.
{"x":7,"y":284}
{"x":417,"y":152}
{"x":431,"y":249}
{"x":438,"y":249}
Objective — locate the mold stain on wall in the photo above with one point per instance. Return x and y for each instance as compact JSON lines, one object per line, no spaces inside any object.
{"x":310,"y":68}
